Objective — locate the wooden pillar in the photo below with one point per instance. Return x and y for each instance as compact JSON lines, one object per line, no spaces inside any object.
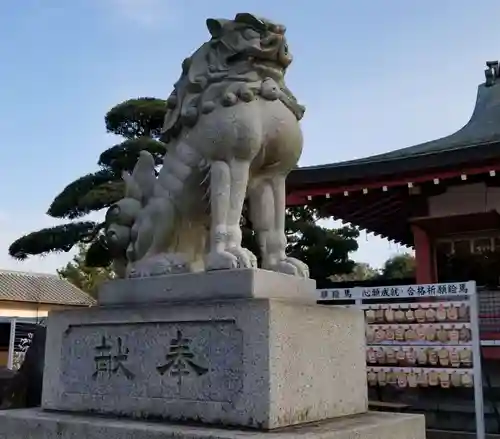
{"x":424,"y":257}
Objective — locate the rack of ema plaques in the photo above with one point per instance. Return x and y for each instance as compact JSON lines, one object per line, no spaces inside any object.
{"x":420,"y":336}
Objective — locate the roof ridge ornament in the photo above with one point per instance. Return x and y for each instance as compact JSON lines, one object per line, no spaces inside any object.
{"x":492,"y":73}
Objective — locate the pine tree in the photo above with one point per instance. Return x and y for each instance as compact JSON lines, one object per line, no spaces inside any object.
{"x":399,"y":267}
{"x":139,"y":122}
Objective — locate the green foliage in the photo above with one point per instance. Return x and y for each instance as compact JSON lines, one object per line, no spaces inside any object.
{"x":81,"y":275}
{"x":124,"y":155}
{"x":361,"y":271}
{"x":137,"y":117}
{"x":399,"y":267}
{"x":53,"y":239}
{"x":102,"y":196}
{"x":396,"y":267}
{"x":98,"y":254}
{"x":101,"y":189}
{"x":67,"y":203}
{"x":98,"y":190}
{"x":325,"y":251}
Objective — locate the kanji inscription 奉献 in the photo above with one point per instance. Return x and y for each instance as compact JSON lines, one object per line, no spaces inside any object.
{"x":109,"y":361}
{"x":180,"y":360}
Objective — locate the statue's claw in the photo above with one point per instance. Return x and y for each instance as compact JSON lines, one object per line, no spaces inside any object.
{"x":246,"y":259}
{"x":290,"y":266}
{"x":220,"y":261}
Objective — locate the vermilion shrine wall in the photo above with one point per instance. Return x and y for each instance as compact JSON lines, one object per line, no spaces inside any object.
{"x":457,"y":200}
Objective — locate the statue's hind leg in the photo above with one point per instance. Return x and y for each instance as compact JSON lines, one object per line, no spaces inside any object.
{"x":220,"y":187}
{"x":228,"y":184}
{"x":239,"y":171}
{"x":268,"y":202}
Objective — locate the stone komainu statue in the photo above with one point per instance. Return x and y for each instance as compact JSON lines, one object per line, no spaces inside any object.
{"x":232,"y":131}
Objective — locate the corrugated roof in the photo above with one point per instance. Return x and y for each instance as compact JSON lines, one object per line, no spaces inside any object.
{"x":20,"y":286}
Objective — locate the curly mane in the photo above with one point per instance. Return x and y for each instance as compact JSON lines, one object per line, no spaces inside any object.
{"x":223,"y":71}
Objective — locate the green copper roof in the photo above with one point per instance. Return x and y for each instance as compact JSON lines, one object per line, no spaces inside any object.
{"x":483,"y":129}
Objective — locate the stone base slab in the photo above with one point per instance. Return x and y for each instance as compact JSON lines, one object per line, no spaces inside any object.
{"x":211,"y":285}
{"x":248,"y":363}
{"x":36,"y":424}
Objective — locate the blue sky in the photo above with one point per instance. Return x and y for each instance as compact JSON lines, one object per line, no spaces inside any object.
{"x":374,"y":75}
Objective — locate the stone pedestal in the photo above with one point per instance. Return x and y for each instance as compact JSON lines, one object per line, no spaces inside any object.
{"x":250,"y":362}
{"x":240,"y":355}
{"x":36,"y":424}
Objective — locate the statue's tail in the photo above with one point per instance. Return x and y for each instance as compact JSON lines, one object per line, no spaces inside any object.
{"x":139,"y":188}
{"x":182,"y":181}
{"x":140,"y":184}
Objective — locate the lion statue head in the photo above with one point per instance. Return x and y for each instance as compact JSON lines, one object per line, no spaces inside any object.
{"x":241,"y":55}
{"x":256,"y":44}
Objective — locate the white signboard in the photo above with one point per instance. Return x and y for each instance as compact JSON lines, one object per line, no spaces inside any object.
{"x":419,"y":296}
{"x":397,"y":291}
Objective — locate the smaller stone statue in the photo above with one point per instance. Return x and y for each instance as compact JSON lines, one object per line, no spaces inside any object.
{"x":232,"y":131}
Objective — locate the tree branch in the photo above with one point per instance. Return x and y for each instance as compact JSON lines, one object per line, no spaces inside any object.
{"x":68,"y":203}
{"x":137,"y":117}
{"x":53,"y":239}
{"x":124,"y":156}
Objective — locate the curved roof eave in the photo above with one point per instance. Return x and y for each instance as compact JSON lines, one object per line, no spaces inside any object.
{"x":482,"y":129}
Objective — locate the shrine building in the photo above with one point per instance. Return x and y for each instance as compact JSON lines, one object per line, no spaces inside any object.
{"x":441,"y":198}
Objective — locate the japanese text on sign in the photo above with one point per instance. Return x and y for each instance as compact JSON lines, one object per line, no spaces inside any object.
{"x":345,"y":294}
{"x":448,"y":289}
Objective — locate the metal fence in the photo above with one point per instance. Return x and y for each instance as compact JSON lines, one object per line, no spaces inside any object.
{"x":489,"y":313}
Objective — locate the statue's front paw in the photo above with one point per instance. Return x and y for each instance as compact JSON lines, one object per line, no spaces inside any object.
{"x":290,"y":266}
{"x":246,"y":259}
{"x":220,"y":261}
{"x":159,"y":265}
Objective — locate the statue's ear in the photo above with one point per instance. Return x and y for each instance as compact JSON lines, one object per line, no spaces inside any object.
{"x":251,"y":20}
{"x":215,"y":26}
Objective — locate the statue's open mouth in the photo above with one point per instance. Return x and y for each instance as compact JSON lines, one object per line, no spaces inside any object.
{"x":274,"y":58}
{"x":271,"y":69}
{"x":264,"y":64}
